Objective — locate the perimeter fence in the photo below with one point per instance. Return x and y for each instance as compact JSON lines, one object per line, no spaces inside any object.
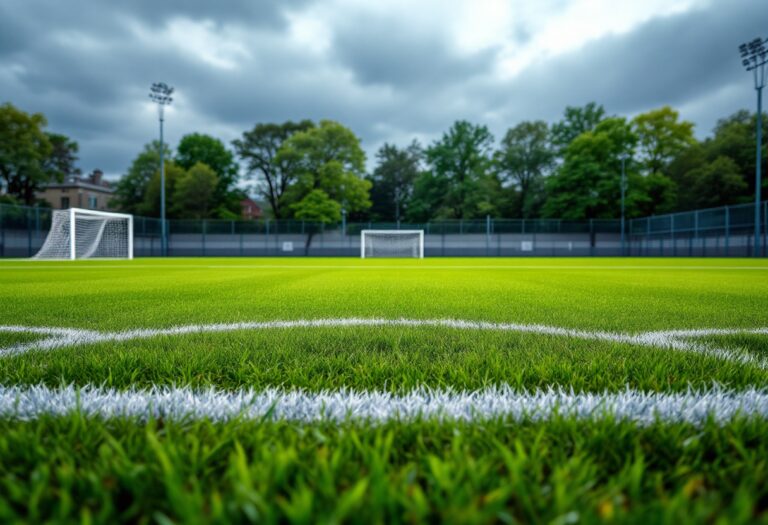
{"x":725,"y":231}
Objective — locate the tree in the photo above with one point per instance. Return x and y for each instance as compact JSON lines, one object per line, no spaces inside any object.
{"x":150,"y":206}
{"x":329,"y":158}
{"x":130,"y":192}
{"x":60,"y":163}
{"x":718,"y":183}
{"x":463,"y":159}
{"x":575,"y":122}
{"x":523,"y":159}
{"x":426,"y":202}
{"x":195,"y":192}
{"x":259,"y":148}
{"x":317,"y":206}
{"x":734,"y":139}
{"x":661,"y":137}
{"x":25,"y":151}
{"x":587,"y":185}
{"x":392,"y":180}
{"x":199,"y":148}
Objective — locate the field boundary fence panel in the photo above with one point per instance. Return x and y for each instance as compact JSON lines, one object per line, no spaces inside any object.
{"x":726,"y":231}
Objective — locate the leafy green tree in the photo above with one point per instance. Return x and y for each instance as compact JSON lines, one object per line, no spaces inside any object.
{"x":576,"y":120}
{"x":462,"y":158}
{"x":150,"y":206}
{"x":25,"y":153}
{"x":392,"y":180}
{"x":317,"y":206}
{"x":61,"y":162}
{"x":661,"y":137}
{"x":733,"y":139}
{"x":523,"y":159}
{"x":194,"y":195}
{"x":587,"y":185}
{"x":329,"y":158}
{"x":131,"y":189}
{"x":258,"y":148}
{"x":427,"y":200}
{"x":200,"y":148}
{"x":716,"y":183}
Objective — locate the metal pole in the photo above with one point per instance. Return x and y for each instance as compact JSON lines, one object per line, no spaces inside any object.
{"x":163,"y":228}
{"x":758,"y":182}
{"x":623,"y":189}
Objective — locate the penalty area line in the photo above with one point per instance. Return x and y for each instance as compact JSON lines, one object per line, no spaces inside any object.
{"x":184,"y":404}
{"x":681,"y":340}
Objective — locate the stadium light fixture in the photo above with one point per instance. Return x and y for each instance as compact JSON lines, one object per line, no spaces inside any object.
{"x":160,"y":93}
{"x":754,"y":57}
{"x":623,"y":157}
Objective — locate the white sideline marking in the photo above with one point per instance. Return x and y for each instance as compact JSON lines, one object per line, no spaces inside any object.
{"x":36,"y":265}
{"x":694,"y":406}
{"x":672,"y":339}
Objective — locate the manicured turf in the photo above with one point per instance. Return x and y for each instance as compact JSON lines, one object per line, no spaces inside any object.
{"x":73,"y":467}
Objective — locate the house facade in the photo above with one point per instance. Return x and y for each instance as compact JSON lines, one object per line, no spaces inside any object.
{"x":91,"y":192}
{"x":250,"y":210}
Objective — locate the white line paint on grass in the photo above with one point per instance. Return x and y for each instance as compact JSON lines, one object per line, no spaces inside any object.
{"x":679,"y":340}
{"x":694,"y":407}
{"x":67,"y":265}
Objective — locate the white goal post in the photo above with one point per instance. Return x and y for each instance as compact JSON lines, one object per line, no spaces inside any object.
{"x":84,"y":234}
{"x":392,"y":243}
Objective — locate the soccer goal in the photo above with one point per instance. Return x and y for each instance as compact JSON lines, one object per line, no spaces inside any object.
{"x":86,"y":234}
{"x":392,"y":243}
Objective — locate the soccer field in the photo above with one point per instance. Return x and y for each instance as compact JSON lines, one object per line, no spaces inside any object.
{"x":328,"y":390}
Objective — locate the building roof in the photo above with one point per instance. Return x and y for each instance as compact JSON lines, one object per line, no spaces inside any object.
{"x":80,"y":184}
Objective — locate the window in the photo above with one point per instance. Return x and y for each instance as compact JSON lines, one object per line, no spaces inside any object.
{"x":92,"y":202}
{"x":64,"y":203}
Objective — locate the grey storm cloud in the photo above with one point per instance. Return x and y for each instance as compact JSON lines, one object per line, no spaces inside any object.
{"x":87,"y":66}
{"x":665,"y":61}
{"x":387,"y":51}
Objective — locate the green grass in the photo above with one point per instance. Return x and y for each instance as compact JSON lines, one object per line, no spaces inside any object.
{"x":79,"y":469}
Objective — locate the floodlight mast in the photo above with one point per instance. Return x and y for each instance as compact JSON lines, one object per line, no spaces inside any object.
{"x":754,"y":57}
{"x":160,"y":93}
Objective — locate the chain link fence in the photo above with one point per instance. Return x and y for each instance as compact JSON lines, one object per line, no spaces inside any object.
{"x":726,"y":231}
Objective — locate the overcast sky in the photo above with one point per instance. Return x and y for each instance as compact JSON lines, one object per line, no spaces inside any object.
{"x":391,"y":70}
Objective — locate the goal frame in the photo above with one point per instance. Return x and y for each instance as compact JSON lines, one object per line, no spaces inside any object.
{"x":395,"y":232}
{"x":96,"y":213}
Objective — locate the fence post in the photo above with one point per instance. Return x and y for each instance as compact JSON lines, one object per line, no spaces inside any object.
{"x":696,"y":227}
{"x":674,"y":239}
{"x":727,"y":229}
{"x":266,"y":241}
{"x":591,"y":237}
{"x":204,"y":225}
{"x":487,"y":235}
{"x":765,"y":227}
{"x":29,"y":234}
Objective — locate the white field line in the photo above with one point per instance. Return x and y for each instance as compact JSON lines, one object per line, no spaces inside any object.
{"x":35,"y":265}
{"x":679,"y":340}
{"x":694,"y":407}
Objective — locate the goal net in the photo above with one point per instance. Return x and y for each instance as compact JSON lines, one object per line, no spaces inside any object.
{"x":86,"y":234}
{"x":392,"y":243}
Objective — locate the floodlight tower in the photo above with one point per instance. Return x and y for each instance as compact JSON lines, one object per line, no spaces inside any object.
{"x":623,"y":157}
{"x":754,"y":57}
{"x":160,"y":93}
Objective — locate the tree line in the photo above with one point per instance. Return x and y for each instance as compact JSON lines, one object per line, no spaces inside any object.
{"x":570,"y":169}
